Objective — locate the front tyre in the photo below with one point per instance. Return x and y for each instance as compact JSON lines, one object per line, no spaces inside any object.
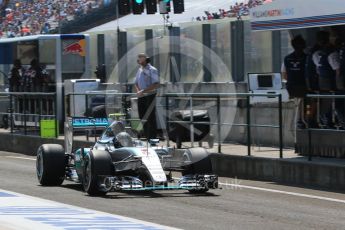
{"x":96,"y":164}
{"x":50,"y":165}
{"x":145,"y":177}
{"x":197,"y":162}
{"x":198,"y":191}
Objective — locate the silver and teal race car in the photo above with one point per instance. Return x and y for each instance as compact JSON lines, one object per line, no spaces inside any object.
{"x":119,"y":162}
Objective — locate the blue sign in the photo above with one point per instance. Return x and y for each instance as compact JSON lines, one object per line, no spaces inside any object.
{"x":89,"y":122}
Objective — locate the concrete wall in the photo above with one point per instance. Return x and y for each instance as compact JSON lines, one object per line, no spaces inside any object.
{"x":284,"y":171}
{"x":324,"y":143}
{"x":29,"y":144}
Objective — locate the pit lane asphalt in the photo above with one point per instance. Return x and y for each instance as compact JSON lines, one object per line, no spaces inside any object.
{"x":229,"y":208}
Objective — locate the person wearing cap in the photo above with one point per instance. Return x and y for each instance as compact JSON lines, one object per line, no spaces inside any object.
{"x":146,"y":84}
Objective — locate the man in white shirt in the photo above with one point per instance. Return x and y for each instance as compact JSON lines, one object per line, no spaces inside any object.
{"x":146,"y":84}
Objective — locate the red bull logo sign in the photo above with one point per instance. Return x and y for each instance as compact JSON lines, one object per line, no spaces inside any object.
{"x":77,"y":48}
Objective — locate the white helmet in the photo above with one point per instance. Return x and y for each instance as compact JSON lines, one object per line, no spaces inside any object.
{"x":123,"y":139}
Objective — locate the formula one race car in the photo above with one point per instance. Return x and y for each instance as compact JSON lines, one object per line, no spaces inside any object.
{"x":119,"y":162}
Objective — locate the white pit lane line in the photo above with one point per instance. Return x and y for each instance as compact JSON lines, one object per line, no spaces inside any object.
{"x":21,"y":158}
{"x":18,"y":211}
{"x":234,"y":186}
{"x":284,"y":192}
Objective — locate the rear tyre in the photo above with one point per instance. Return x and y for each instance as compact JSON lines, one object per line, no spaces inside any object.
{"x":50,"y":165}
{"x":96,"y":164}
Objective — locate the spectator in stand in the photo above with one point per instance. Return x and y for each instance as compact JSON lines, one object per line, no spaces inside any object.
{"x":235,"y":11}
{"x":24,"y":17}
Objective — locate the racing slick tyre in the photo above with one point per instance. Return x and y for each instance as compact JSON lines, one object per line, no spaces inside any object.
{"x":96,"y":163}
{"x":144,"y":176}
{"x":50,"y":164}
{"x":198,"y":162}
{"x":198,"y":191}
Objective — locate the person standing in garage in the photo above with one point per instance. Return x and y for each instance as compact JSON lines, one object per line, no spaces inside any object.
{"x":15,"y":76}
{"x":342,"y":60}
{"x":340,"y":81}
{"x":293,"y":71}
{"x":326,"y":60}
{"x":146,"y":84}
{"x":327,"y":64}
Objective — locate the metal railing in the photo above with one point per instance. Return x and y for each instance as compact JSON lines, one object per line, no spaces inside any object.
{"x":24,"y":105}
{"x":218,"y":97}
{"x":87,"y":97}
{"x":37,"y":101}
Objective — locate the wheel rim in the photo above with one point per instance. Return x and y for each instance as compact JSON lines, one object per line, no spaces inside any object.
{"x":39,"y":165}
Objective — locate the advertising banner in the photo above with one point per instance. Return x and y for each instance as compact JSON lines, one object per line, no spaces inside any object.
{"x":294,"y":14}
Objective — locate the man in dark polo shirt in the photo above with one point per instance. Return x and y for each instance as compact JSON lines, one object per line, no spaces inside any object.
{"x":294,"y":68}
{"x":293,"y":71}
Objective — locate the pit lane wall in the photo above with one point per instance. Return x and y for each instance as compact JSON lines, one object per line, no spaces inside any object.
{"x":29,"y":144}
{"x":284,"y":171}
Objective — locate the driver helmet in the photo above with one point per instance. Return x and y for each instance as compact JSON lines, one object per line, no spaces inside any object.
{"x":117,"y":127}
{"x":123,"y":139}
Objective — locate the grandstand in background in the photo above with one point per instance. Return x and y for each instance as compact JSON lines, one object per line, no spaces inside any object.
{"x":30,"y":17}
